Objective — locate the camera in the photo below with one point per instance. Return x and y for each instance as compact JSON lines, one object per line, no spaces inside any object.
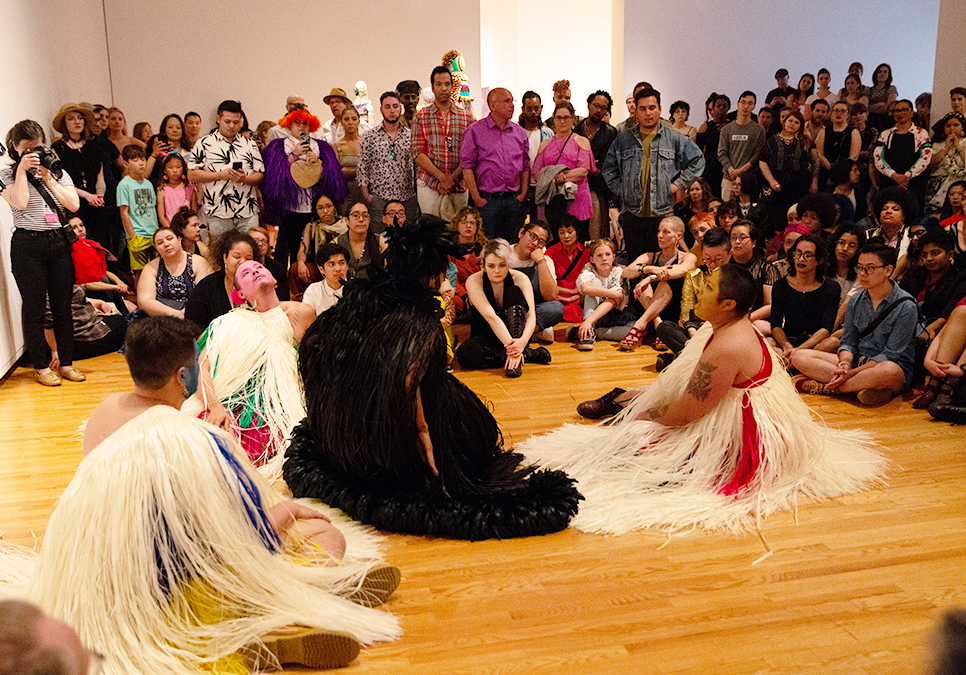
{"x":49,"y":161}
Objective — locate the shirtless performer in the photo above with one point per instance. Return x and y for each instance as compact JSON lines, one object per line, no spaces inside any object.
{"x":162,"y":358}
{"x":254,"y":388}
{"x":721,"y":439}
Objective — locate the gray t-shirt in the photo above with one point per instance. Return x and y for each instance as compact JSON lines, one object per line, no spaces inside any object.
{"x":739,"y":144}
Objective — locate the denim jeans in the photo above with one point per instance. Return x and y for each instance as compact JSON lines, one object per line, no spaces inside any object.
{"x":42,"y":267}
{"x":548,"y":313}
{"x":503,"y":215}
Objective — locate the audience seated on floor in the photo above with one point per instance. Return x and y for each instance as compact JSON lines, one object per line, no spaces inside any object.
{"x":602,"y":297}
{"x":662,"y":278}
{"x":333,"y":267}
{"x":876,"y":353}
{"x":569,"y":258}
{"x":529,"y":256}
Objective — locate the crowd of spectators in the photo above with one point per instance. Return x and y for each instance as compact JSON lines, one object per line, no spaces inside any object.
{"x":817,"y":193}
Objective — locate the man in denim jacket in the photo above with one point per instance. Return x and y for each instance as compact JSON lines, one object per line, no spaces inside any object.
{"x":673,"y":163}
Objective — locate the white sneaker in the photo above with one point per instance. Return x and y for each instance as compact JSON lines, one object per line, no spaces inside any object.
{"x":544,"y":336}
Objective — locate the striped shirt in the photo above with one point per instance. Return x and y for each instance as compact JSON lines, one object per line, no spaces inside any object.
{"x":37,"y":217}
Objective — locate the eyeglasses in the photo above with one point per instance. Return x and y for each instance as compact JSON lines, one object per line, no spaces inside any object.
{"x":740,"y":239}
{"x":540,"y":242}
{"x":901,"y":110}
{"x":393,"y":214}
{"x":803,"y":255}
{"x":392,"y":150}
{"x":325,"y":207}
{"x":867,"y":269}
{"x":359,"y":215}
{"x":847,"y":245}
{"x":563,"y":118}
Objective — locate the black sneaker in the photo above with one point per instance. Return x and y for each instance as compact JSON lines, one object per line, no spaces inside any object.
{"x":539,"y":355}
{"x":587,"y":344}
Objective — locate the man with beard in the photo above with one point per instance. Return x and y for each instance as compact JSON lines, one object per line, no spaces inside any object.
{"x":816,"y":121}
{"x":385,"y":171}
{"x":409,"y":97}
{"x":537,"y":133}
{"x":437,"y":141}
{"x":600,"y":134}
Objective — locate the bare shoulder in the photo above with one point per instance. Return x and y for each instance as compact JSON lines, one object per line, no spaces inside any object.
{"x":736,"y":349}
{"x":300,"y":316}
{"x":104,"y":421}
{"x":582,"y":142}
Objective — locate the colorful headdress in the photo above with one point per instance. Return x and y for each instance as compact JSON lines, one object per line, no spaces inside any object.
{"x":301,"y":115}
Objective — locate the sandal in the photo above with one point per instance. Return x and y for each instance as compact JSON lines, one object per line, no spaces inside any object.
{"x":632,"y":340}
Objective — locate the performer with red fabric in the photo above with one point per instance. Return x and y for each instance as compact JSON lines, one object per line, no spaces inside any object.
{"x":720,"y":440}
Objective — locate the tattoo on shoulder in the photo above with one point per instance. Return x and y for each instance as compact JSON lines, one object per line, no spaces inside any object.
{"x":700,"y":384}
{"x":656,"y":412}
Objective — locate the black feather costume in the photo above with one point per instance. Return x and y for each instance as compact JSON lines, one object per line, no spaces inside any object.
{"x":358,"y":449}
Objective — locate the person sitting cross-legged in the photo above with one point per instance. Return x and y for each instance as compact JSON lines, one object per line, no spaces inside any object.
{"x":666,"y":266}
{"x":875,"y":356}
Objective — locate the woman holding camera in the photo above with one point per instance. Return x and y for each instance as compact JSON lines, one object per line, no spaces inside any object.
{"x":39,"y":251}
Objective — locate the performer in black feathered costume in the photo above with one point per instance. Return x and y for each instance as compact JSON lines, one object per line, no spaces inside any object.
{"x":363,"y":364}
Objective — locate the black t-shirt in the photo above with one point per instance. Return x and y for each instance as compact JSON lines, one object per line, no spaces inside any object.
{"x":901,"y":153}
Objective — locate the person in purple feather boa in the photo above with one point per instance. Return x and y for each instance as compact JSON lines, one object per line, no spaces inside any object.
{"x":288,"y":205}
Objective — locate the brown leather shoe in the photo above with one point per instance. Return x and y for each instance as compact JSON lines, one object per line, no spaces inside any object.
{"x":310,"y":647}
{"x":601,"y":407}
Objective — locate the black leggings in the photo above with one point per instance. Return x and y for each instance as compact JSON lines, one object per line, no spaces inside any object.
{"x":290,"y":237}
{"x":483,"y":350}
{"x":42,"y":266}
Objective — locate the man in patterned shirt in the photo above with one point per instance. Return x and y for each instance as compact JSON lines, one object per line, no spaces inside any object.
{"x":385,"y":171}
{"x":229,"y":166}
{"x":438,"y":138}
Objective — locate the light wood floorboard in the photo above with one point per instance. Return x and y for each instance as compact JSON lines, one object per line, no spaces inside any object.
{"x":852,"y":587}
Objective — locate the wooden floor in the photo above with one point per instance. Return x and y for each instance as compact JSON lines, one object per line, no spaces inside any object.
{"x":852,"y":587}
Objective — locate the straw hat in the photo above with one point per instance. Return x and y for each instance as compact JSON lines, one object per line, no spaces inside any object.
{"x":86,"y":109}
{"x":337,"y":92}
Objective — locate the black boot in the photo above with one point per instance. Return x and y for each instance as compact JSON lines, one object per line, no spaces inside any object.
{"x":929,"y":395}
{"x":948,"y":413}
{"x":949,"y":387}
{"x":515,"y":318}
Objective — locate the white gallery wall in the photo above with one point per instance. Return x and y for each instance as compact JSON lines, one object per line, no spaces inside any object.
{"x":529,"y":46}
{"x":54,"y":52}
{"x":204,"y":52}
{"x":950,"y":56}
{"x":689,"y":48}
